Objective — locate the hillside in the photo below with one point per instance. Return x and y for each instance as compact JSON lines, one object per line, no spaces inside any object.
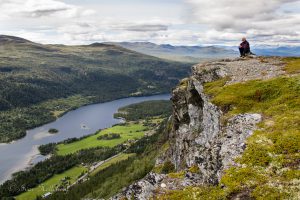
{"x":92,"y":162}
{"x":192,"y":54}
{"x":40,"y":82}
{"x":234,"y":134}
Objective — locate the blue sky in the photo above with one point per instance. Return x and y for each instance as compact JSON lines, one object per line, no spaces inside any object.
{"x":177,"y":22}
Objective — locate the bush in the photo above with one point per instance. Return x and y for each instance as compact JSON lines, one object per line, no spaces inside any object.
{"x":109,"y":136}
{"x":168,"y":167}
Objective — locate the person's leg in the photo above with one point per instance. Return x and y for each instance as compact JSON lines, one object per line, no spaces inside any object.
{"x":241,"y":51}
{"x":246,"y":51}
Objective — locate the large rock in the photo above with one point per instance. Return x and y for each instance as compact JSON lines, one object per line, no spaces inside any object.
{"x":198,"y":137}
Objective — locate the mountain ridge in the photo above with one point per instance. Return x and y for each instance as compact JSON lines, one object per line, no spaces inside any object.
{"x":192,"y":54}
{"x":32,"y":73}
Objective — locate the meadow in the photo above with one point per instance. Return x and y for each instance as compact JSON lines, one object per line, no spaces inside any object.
{"x":128,"y":131}
{"x":53,"y":183}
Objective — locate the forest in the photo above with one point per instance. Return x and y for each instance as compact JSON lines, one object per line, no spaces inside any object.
{"x":142,"y":110}
{"x":24,"y":180}
{"x":40,"y":82}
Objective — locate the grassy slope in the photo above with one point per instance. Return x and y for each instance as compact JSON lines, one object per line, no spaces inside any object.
{"x":127,"y":132}
{"x":113,"y":161}
{"x":51,"y":184}
{"x":32,"y":74}
{"x":270,"y":164}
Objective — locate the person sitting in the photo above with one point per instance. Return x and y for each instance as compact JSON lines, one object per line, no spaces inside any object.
{"x":244,"y":48}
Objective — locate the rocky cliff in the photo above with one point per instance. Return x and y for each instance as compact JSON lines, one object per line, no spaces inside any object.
{"x":203,"y":141}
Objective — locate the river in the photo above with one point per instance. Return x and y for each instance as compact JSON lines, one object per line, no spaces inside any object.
{"x":85,"y":120}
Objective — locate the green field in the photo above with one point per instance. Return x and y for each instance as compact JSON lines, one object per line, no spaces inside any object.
{"x":127,"y":132}
{"x":51,"y":184}
{"x":117,"y":159}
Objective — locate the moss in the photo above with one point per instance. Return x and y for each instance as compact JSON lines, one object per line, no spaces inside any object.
{"x":179,"y":175}
{"x":237,"y":179}
{"x":291,"y":161}
{"x":292,"y":65}
{"x":270,"y":163}
{"x":276,"y":145}
{"x":157,"y":169}
{"x":203,"y":193}
{"x":165,"y":147}
{"x":194,"y":169}
{"x":268,"y":193}
{"x":287,"y":142}
{"x":291,"y":174}
{"x":184,"y":83}
{"x":256,"y":155}
{"x":168,"y":167}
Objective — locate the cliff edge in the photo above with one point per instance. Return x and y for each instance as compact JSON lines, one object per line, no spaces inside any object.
{"x":229,"y":120}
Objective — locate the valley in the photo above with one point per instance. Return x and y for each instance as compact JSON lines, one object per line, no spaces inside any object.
{"x":88,"y":160}
{"x":40,"y":82}
{"x":149,"y":100}
{"x":95,"y":117}
{"x":230,"y":131}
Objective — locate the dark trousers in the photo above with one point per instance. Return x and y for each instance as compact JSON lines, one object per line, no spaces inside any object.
{"x":244,"y":51}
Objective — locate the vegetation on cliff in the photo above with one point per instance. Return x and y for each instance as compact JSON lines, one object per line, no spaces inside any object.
{"x":269,"y":166}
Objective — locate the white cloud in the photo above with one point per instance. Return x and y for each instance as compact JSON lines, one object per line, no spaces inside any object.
{"x":264,"y":21}
{"x":33,"y":8}
{"x":206,"y":22}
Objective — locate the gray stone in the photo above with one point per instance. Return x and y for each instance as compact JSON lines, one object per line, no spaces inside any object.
{"x":198,"y":137}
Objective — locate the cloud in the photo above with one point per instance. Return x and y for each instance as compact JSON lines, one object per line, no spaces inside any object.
{"x":191,"y":22}
{"x":235,"y":14}
{"x":37,"y":9}
{"x":147,"y":28}
{"x":268,"y":21}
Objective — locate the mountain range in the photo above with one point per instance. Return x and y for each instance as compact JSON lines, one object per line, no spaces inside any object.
{"x":278,"y":51}
{"x":192,"y":54}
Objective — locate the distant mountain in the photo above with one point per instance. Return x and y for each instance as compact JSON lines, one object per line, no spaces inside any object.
{"x":267,"y":50}
{"x":32,"y":73}
{"x":278,"y":51}
{"x":193,"y":54}
{"x":5,"y":39}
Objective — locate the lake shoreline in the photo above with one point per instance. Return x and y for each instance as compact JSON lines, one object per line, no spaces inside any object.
{"x":13,"y":155}
{"x":75,"y":108}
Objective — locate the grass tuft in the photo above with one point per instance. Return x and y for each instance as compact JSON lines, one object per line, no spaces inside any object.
{"x":292,"y":65}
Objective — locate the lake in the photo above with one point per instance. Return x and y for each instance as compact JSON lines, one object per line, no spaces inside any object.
{"x":85,"y":120}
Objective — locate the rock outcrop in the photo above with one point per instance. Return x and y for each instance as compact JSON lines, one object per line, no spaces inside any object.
{"x":199,"y":139}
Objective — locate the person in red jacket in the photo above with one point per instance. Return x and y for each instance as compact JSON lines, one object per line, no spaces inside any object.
{"x":244,"y":47}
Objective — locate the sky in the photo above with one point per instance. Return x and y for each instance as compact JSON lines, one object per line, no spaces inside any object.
{"x":176,"y":22}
